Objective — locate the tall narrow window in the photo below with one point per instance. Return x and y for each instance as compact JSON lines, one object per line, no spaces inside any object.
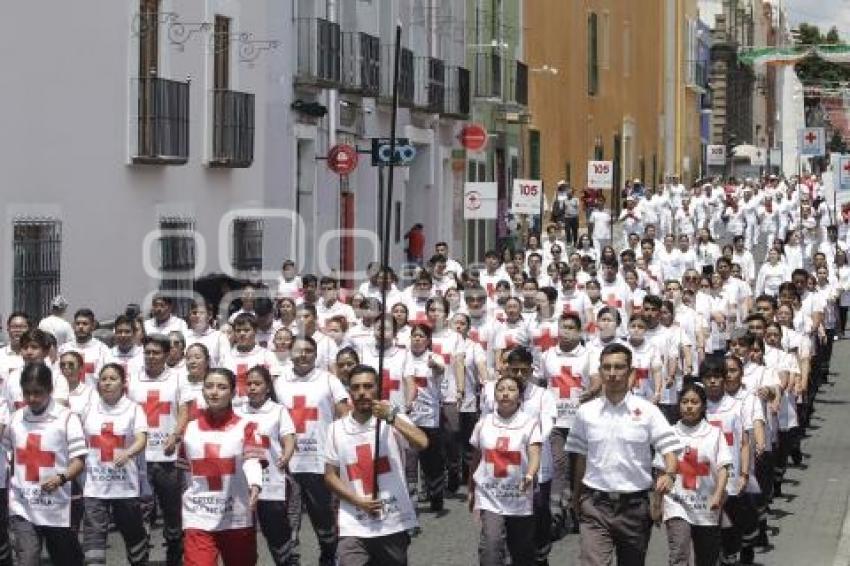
{"x":627,"y":49}
{"x":37,"y":251}
{"x":148,"y":38}
{"x":221,"y":66}
{"x":592,"y":54}
{"x":177,"y":260}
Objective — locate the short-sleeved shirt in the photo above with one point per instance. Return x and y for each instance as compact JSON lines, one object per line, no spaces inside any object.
{"x":616,"y":440}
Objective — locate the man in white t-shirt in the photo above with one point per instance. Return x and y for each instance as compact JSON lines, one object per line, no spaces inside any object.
{"x":373,"y":518}
{"x":162,"y":321}
{"x":55,"y":322}
{"x":600,"y":221}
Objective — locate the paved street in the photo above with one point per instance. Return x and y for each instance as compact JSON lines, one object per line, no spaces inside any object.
{"x":807,"y":519}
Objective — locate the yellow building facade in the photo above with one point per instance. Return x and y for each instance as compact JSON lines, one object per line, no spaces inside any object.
{"x":601,"y":81}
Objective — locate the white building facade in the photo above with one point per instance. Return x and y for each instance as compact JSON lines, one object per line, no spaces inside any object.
{"x":156,"y":141}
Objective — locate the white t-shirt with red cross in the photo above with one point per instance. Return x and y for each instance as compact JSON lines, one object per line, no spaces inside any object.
{"x":131,"y":360}
{"x":449,"y":344}
{"x":273,"y":423}
{"x":350,"y":447}
{"x":503,"y":444}
{"x":425,"y":410}
{"x":110,"y":430}
{"x":728,"y":415}
{"x":159,"y":398}
{"x":705,"y":454}
{"x":567,"y":375}
{"x":15,"y":395}
{"x":392,"y":380}
{"x":217,"y":496}
{"x":191,"y":394}
{"x":645,"y":358}
{"x":217,"y":343}
{"x":311,"y":400}
{"x":240,"y":363}
{"x":42,"y":446}
{"x":95,"y":355}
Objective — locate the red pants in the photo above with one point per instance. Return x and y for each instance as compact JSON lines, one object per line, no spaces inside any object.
{"x":236,"y":547}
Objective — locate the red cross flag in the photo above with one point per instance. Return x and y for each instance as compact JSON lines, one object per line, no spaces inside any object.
{"x":812,"y":142}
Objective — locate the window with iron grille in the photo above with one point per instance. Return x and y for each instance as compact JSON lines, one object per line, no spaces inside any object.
{"x":177,"y":260}
{"x":247,"y":244}
{"x":436,"y":85}
{"x":521,"y":86}
{"x":463,"y":90}
{"x":37,"y":248}
{"x":370,"y":64}
{"x":330,"y":50}
{"x":407,"y":83}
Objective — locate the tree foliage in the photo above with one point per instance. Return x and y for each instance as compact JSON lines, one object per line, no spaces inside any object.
{"x":813,"y":70}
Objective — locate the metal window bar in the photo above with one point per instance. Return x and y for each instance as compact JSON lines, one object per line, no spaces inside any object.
{"x":488,"y":75}
{"x":247,"y":245}
{"x":177,"y":259}
{"x":406,"y":78}
{"x":361,"y":63}
{"x":519,"y":83}
{"x":37,"y":246}
{"x":233,"y":129}
{"x":436,"y":85}
{"x":162,"y":121}
{"x":318,"y":52}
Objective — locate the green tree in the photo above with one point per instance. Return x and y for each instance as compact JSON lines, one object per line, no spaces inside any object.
{"x":813,"y":70}
{"x":836,"y":144}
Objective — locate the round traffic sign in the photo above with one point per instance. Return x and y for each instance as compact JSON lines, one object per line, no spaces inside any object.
{"x":473,"y":137}
{"x":342,"y":159}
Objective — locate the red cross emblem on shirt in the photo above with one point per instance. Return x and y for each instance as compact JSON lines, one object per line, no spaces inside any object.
{"x":565,"y":382}
{"x":154,"y":408}
{"x":388,"y":385}
{"x":437,"y":348}
{"x":32,"y":458}
{"x":420,"y":381}
{"x":510,"y":342}
{"x":614,"y":301}
{"x":641,"y":375}
{"x":213,"y":467}
{"x":420,"y":318}
{"x":88,"y":369}
{"x":363,"y":468}
{"x":730,"y":437}
{"x":194,"y":410}
{"x":690,"y":468}
{"x":475,"y":336}
{"x":241,"y":380}
{"x":107,"y":442}
{"x":501,"y":457}
{"x":491,"y":290}
{"x":301,"y":413}
{"x":545,"y":340}
{"x":568,"y":308}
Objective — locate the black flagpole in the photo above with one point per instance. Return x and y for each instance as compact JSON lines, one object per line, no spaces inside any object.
{"x":385,"y":253}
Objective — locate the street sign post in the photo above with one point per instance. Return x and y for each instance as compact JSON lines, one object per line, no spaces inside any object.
{"x":526,"y":197}
{"x":480,"y":201}
{"x":812,"y":142}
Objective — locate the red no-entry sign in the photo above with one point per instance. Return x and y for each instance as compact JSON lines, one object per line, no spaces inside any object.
{"x":473,"y":137}
{"x":342,"y":159}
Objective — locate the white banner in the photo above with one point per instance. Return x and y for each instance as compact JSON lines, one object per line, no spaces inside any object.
{"x":759,"y":158}
{"x":480,"y":201}
{"x":715,"y":155}
{"x":812,"y":142}
{"x":526,"y":197}
{"x":776,"y":158}
{"x":600,"y":175}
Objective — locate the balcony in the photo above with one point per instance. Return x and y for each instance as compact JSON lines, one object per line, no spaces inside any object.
{"x":488,"y":76}
{"x":430,"y":84}
{"x":233,"y":129}
{"x":319,"y":53}
{"x":361,"y":64}
{"x":457,"y":93}
{"x":160,"y":127}
{"x":518,"y":83}
{"x":406,"y":79}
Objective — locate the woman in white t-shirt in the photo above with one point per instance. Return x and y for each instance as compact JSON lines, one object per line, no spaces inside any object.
{"x":507,"y":458}
{"x":691,"y":511}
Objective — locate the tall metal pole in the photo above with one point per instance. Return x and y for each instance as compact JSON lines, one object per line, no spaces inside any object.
{"x":386,"y":207}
